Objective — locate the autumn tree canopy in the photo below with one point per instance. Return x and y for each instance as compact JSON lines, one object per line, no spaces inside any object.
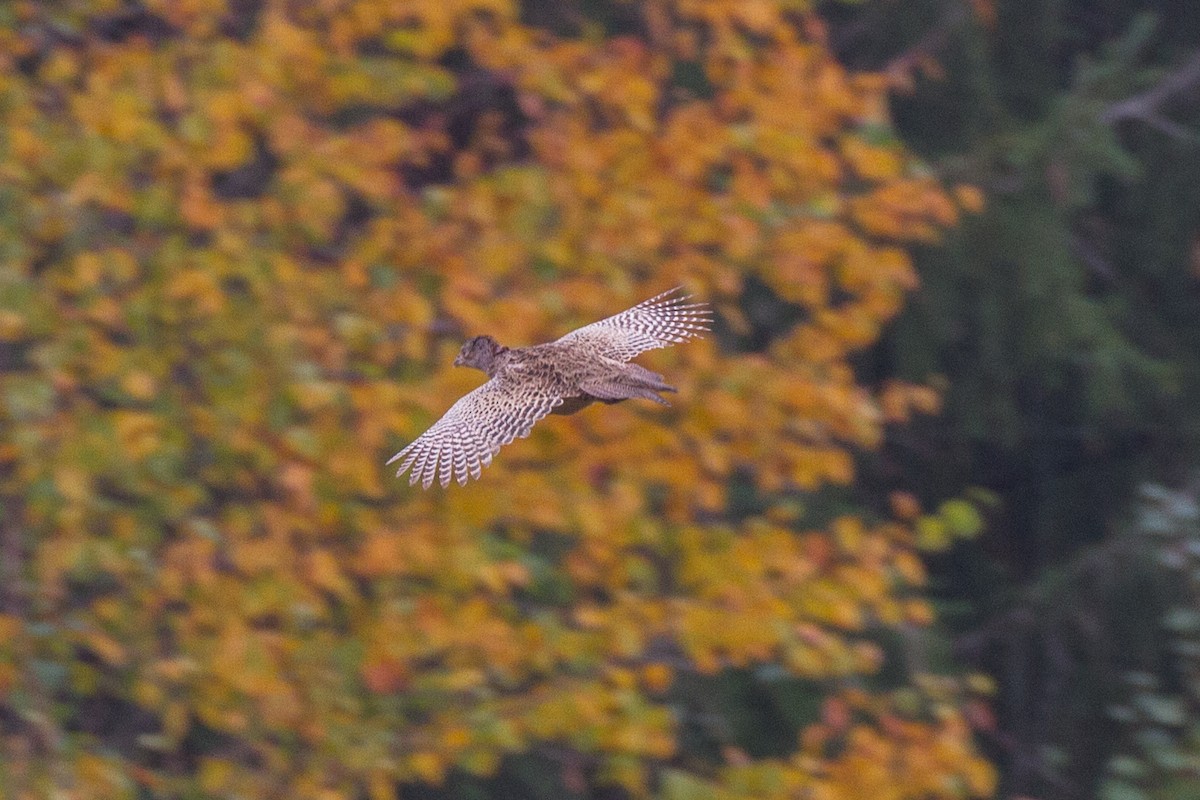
{"x":240,"y":243}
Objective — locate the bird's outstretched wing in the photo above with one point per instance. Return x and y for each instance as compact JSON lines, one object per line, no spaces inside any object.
{"x":661,"y":321}
{"x":464,"y":440}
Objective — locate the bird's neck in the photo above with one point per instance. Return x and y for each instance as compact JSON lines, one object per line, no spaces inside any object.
{"x":499,"y":359}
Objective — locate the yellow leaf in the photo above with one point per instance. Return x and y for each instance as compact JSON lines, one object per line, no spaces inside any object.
{"x":12,"y":325}
{"x":72,"y":483}
{"x":657,"y":678}
{"x":106,"y":647}
{"x":215,"y":774}
{"x":138,"y":433}
{"x":932,"y":534}
{"x":427,"y":767}
{"x":10,"y":626}
{"x":969,"y":197}
{"x":381,"y":786}
{"x":324,"y":572}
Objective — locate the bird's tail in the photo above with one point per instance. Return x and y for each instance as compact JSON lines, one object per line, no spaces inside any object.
{"x":631,"y":382}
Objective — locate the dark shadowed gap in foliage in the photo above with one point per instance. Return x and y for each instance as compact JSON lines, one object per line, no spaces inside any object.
{"x":480,"y":92}
{"x":101,"y":223}
{"x":759,"y":711}
{"x":41,"y":38}
{"x":354,"y":219}
{"x":113,"y":720}
{"x":135,"y":732}
{"x":768,"y":315}
{"x":867,"y":36}
{"x":690,"y":81}
{"x":250,"y":179}
{"x":742,"y":498}
{"x":241,"y":21}
{"x":14,"y":356}
{"x":549,"y":584}
{"x":14,"y":722}
{"x":14,"y":555}
{"x":131,"y":20}
{"x":555,"y":774}
{"x":574,"y":17}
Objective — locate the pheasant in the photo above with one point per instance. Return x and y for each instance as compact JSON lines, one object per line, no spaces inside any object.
{"x":589,"y":364}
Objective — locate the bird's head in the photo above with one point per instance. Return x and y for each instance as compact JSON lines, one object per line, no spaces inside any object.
{"x":479,"y":353}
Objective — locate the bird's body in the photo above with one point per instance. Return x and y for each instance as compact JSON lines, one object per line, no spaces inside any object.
{"x":561,"y":377}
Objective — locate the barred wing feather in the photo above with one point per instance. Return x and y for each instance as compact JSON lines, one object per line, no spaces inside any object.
{"x":464,"y":440}
{"x":661,"y":321}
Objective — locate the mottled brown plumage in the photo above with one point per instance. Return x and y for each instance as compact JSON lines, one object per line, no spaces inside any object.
{"x":587,"y":365}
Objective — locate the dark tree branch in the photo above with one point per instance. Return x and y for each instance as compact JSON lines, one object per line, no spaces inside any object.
{"x":1146,"y":106}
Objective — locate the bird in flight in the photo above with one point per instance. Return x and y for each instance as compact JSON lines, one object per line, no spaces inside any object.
{"x":560,"y":377}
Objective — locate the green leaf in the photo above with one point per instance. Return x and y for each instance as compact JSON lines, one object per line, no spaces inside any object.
{"x":932,"y":534}
{"x":679,"y":785}
{"x":1119,"y":790}
{"x":1163,"y":710}
{"x":1182,"y":620}
{"x":961,"y":518}
{"x":1127,"y":767}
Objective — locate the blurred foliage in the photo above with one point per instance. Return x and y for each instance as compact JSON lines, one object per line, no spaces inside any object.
{"x":1065,"y":319}
{"x":239,"y":244}
{"x":1096,"y":664}
{"x":1065,"y":322}
{"x":1160,"y":716}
